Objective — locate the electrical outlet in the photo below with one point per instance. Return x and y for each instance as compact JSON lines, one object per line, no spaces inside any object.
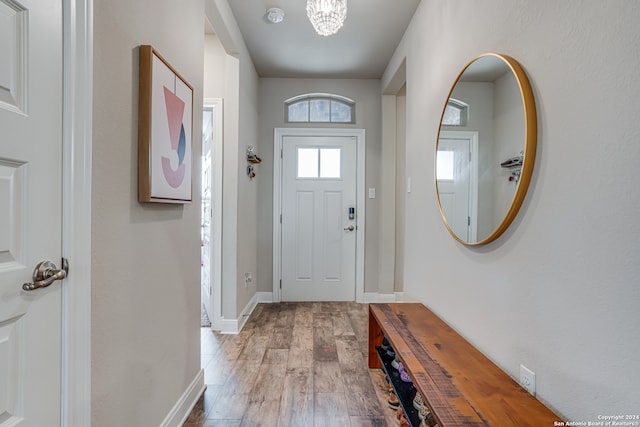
{"x":528,"y":379}
{"x":248,"y":278}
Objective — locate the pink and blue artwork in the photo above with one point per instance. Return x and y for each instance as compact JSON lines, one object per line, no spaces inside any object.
{"x":178,"y":139}
{"x":171,"y":134}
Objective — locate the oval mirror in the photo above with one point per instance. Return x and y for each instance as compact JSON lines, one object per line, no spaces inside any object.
{"x":486,"y":149}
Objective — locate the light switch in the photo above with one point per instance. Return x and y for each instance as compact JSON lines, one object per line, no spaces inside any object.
{"x":409,"y":185}
{"x":372,"y":193}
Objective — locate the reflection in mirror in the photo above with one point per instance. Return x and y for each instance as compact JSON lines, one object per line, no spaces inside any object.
{"x":486,"y":149}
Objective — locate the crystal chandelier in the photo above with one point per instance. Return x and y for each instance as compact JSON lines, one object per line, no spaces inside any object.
{"x":327,"y":16}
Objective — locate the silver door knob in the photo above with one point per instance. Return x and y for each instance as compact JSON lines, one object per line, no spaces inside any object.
{"x":350,"y":228}
{"x":46,"y":273}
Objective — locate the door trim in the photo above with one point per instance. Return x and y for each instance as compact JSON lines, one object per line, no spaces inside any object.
{"x":216,"y":201}
{"x":278,"y":136}
{"x":76,"y":211}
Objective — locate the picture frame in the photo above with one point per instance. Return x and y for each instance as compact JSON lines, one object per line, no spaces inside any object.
{"x":165,"y":131}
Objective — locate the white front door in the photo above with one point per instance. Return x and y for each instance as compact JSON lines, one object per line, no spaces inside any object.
{"x":456,"y":181}
{"x":318,"y":234}
{"x":30,"y":210}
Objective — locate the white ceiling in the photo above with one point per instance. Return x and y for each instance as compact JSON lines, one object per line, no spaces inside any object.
{"x":361,"y":49}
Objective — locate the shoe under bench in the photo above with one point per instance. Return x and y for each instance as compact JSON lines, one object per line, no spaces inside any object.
{"x":459,"y":384}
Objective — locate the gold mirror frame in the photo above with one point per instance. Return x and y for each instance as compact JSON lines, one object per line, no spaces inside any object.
{"x":529,"y":152}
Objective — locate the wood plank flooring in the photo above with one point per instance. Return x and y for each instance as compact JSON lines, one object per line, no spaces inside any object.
{"x":293,"y":365}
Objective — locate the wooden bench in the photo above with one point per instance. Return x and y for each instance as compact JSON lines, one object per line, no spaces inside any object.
{"x":460,"y":385}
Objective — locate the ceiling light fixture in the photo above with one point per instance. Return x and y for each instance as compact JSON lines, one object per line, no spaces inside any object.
{"x":275,"y":15}
{"x":327,"y":16}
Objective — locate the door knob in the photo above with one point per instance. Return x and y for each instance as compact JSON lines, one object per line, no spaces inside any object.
{"x":350,"y":228}
{"x":46,"y":273}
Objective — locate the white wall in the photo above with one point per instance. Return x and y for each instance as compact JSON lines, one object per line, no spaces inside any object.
{"x":386,"y":195}
{"x":145,"y":257}
{"x":558,"y":292}
{"x":215,"y":67}
{"x":401,"y":187}
{"x":248,"y":210}
{"x":272,"y":94}
{"x":222,"y":80}
{"x":239,"y":90}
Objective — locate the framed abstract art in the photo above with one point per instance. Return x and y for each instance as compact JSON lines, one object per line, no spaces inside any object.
{"x":165,"y":122}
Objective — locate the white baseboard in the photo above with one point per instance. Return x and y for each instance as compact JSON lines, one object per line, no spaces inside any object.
{"x":183,"y":407}
{"x":373,"y":297}
{"x":234,"y":326}
{"x":265,"y":296}
{"x":387,"y":298}
{"x":229,"y":326}
{"x":370,"y":297}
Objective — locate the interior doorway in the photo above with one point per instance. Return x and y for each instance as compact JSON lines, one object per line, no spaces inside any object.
{"x":211,"y":220}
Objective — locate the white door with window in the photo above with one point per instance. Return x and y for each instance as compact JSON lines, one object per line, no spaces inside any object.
{"x":30,"y":212}
{"x":319,"y":218}
{"x":457,"y":181}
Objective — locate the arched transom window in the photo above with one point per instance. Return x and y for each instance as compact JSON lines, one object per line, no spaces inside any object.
{"x":319,"y":108}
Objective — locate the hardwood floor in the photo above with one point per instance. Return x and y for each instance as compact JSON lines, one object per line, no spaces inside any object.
{"x":293,"y":365}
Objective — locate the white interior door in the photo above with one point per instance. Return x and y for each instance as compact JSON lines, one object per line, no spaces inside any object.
{"x":454,"y":179}
{"x":30,"y":210}
{"x":318,"y":235}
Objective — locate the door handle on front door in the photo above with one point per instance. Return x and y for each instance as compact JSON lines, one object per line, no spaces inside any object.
{"x":350,"y":228}
{"x":46,"y":273}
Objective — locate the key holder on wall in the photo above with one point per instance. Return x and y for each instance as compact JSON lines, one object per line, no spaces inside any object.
{"x":515,"y":165}
{"x":252,"y":159}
